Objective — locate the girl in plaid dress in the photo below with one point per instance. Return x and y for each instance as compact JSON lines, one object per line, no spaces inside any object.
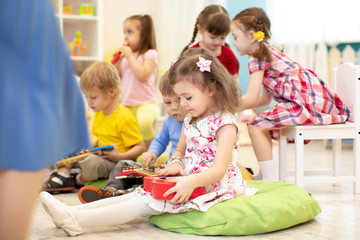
{"x":302,"y":98}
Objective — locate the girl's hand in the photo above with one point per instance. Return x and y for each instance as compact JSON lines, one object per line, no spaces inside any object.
{"x":148,"y":158}
{"x":171,"y":170}
{"x":127,"y":52}
{"x":183,"y":189}
{"x":112,"y":155}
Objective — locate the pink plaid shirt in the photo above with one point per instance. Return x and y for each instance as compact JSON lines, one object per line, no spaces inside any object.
{"x":303,"y":98}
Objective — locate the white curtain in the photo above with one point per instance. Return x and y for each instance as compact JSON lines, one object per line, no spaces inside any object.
{"x":306,"y":27}
{"x":304,"y":21}
{"x":175,"y":21}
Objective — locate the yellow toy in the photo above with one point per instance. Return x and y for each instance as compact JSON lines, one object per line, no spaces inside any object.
{"x":67,"y":8}
{"x":86,"y":9}
{"x":76,"y":44}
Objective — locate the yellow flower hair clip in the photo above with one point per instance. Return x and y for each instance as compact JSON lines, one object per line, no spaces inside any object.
{"x":259,"y":36}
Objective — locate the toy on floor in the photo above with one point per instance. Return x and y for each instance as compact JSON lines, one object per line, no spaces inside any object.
{"x":76,"y":157}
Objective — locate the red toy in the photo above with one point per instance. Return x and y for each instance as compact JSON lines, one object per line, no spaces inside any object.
{"x":115,"y":57}
{"x":157,"y":186}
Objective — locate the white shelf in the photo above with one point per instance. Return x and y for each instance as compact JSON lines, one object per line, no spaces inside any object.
{"x":84,"y":58}
{"x":90,"y":27}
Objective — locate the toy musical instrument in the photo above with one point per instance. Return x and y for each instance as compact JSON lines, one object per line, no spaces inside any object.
{"x":154,"y":184}
{"x":81,"y":156}
{"x":115,"y":57}
{"x":157,"y":186}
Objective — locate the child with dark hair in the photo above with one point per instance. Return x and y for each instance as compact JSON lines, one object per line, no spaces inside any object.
{"x":302,"y":98}
{"x":137,"y":67}
{"x":213,"y":23}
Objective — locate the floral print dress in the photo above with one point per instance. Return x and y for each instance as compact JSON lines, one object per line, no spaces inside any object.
{"x":201,"y":146}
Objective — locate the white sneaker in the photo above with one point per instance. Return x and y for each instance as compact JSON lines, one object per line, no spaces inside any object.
{"x":61,"y":214}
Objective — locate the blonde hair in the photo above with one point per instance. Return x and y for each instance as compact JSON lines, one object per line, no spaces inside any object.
{"x":165,"y":87}
{"x":101,"y":75}
{"x":256,"y":19}
{"x":227,"y":93}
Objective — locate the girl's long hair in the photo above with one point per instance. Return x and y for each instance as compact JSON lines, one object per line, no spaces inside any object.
{"x":227,"y":93}
{"x":147,"y":32}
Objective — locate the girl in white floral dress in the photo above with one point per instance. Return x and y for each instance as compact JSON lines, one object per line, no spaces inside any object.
{"x":205,"y":156}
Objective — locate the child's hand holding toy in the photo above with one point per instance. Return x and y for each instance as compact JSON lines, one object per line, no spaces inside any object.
{"x":112,"y":155}
{"x":118,"y":54}
{"x":173,"y":168}
{"x":183,"y":189}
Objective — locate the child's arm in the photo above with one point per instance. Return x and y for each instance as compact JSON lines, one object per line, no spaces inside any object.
{"x":114,"y":155}
{"x":176,"y":168}
{"x":264,"y":99}
{"x":251,"y":98}
{"x":226,"y":136}
{"x":141,"y":71}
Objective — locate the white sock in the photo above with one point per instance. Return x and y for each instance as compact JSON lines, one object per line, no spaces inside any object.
{"x":78,"y":180}
{"x":63,"y":172}
{"x":267,"y":170}
{"x":258,"y":176}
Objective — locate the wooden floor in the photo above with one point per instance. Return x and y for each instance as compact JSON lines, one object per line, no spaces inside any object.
{"x":339,"y":219}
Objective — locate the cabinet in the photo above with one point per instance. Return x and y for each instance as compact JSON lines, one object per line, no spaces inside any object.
{"x":81,"y":25}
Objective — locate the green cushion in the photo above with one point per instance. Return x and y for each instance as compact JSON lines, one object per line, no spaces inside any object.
{"x":100,"y":183}
{"x":276,"y":206}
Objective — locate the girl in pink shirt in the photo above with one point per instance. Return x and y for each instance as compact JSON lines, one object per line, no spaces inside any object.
{"x":137,"y":67}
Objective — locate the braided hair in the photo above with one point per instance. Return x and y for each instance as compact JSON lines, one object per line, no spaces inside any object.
{"x":214,"y":19}
{"x":256,"y":19}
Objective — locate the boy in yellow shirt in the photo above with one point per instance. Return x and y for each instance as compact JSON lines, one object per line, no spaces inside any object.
{"x":113,"y":125}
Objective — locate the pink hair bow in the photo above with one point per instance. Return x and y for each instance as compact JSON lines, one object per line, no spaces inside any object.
{"x":204,"y":65}
{"x":171,"y":64}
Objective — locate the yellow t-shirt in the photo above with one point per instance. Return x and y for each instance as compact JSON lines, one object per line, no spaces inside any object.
{"x":120,"y":128}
